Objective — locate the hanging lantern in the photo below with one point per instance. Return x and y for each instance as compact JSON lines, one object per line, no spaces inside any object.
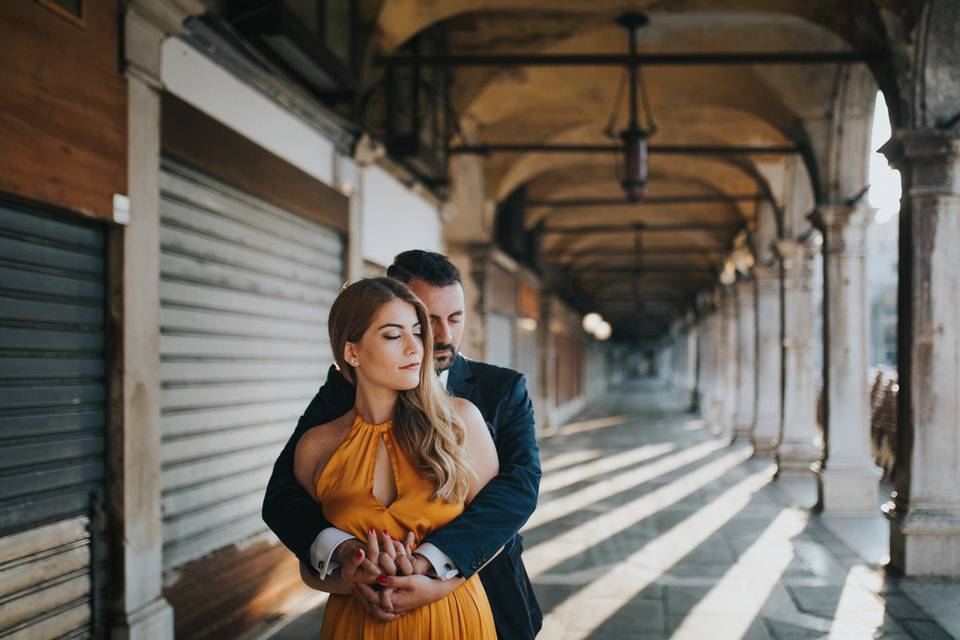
{"x":634,"y":178}
{"x":634,"y":164}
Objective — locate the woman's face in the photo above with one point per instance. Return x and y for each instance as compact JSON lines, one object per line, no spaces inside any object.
{"x":390,"y":353}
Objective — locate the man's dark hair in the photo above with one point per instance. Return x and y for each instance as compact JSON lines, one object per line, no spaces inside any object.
{"x":433,"y":268}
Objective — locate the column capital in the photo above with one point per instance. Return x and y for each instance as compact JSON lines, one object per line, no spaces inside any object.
{"x":794,"y":248}
{"x":766,"y":272}
{"x":931,"y":156}
{"x":845,"y":227}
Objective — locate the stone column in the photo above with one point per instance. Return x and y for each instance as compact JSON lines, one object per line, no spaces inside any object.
{"x":693,"y":363}
{"x":710,"y":351}
{"x":139,"y":610}
{"x":746,"y":360}
{"x":799,"y":450}
{"x":848,"y":480}
{"x":925,"y":514}
{"x":766,"y":433}
{"x":728,"y":360}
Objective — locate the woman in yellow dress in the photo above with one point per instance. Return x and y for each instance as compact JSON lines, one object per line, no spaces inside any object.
{"x":403,"y":463}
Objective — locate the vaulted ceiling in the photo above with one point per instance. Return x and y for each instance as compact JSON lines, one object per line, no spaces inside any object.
{"x":755,"y":105}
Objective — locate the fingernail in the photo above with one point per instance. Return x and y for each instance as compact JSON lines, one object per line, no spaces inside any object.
{"x":359,"y":553}
{"x":382,"y":579}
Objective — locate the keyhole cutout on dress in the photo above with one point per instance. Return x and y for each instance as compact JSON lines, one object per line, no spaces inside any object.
{"x":384,"y":480}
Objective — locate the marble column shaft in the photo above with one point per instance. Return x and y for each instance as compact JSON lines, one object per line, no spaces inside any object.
{"x":766,"y":433}
{"x":799,"y":449}
{"x":848,"y":482}
{"x":746,"y":360}
{"x":728,"y":360}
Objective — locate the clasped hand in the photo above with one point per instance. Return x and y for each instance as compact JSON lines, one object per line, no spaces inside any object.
{"x":386,"y":576}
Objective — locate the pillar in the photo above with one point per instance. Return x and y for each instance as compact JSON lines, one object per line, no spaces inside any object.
{"x":925,"y":514}
{"x":799,"y":450}
{"x":693,"y":363}
{"x":848,"y":480}
{"x":139,"y":610}
{"x":727,"y":361}
{"x":746,"y":360}
{"x":766,"y":432}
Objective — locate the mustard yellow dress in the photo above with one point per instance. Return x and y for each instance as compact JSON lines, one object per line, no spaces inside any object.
{"x":345,"y":488}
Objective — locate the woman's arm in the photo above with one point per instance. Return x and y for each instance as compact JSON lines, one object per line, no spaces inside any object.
{"x":479,"y":445}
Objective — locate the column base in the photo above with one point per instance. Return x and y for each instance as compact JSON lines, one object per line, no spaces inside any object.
{"x":926,"y":544}
{"x":153,"y":621}
{"x":798,"y":459}
{"x":765,"y":446}
{"x":743,"y":431}
{"x":849,"y":488}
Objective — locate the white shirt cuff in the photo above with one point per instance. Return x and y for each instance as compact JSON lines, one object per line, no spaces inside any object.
{"x":443,"y":566}
{"x":321,"y":551}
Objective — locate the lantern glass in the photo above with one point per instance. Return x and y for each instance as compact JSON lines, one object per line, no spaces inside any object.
{"x":634,"y":177}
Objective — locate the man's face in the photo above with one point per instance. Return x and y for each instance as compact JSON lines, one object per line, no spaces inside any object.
{"x":445,"y":306}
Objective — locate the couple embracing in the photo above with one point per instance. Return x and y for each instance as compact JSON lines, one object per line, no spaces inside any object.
{"x":412,"y":470}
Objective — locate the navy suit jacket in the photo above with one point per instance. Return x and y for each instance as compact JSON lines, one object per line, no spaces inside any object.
{"x":490,"y":522}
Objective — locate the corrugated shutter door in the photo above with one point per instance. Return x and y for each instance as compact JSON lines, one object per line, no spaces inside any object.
{"x":500,"y":340}
{"x":52,"y":420}
{"x":245,"y":293}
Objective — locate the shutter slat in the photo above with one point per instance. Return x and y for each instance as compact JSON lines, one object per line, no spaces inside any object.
{"x":52,"y":420}
{"x":245,"y":292}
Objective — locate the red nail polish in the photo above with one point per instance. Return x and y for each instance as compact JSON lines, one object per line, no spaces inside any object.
{"x":382,"y":579}
{"x":359,"y":553}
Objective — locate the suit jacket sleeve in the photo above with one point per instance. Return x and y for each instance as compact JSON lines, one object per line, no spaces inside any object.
{"x":288,"y":509}
{"x":507,"y":501}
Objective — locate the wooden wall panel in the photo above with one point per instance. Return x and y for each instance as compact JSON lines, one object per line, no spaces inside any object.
{"x":253,"y":584}
{"x":196,"y":139}
{"x":63,"y":107}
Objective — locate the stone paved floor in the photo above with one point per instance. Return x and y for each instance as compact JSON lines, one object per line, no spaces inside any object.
{"x":649,"y":528}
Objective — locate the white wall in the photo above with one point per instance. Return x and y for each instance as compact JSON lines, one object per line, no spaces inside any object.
{"x":197,"y":80}
{"x":396,"y":219}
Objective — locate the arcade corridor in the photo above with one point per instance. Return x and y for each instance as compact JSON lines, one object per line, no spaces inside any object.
{"x":650,"y":527}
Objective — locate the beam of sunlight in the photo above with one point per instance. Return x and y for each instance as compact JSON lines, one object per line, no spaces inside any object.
{"x":569,"y":458}
{"x":579,"y":615}
{"x":588,"y":425}
{"x":541,"y":557}
{"x":606,"y":464}
{"x":601,"y":490}
{"x":742,"y":591}
{"x":859,"y":611}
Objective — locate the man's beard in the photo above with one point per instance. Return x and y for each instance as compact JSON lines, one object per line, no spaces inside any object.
{"x":444,"y":363}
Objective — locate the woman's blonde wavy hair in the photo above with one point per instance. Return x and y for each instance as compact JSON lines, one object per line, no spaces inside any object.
{"x":426,"y":425}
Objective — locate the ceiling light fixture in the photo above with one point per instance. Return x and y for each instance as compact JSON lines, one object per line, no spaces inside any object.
{"x":633,"y":172}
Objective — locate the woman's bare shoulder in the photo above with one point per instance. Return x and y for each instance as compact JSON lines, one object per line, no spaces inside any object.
{"x":467,"y":411}
{"x":326,"y":437}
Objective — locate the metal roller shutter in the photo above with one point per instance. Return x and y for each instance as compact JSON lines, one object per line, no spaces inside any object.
{"x":52,"y":422}
{"x":245,"y":293}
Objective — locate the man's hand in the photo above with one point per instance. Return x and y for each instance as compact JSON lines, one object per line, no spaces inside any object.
{"x":405,"y":593}
{"x":370,"y":600}
{"x":356,"y":566}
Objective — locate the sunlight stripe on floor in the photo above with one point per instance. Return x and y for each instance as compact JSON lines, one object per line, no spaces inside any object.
{"x":579,"y":615}
{"x":587,"y":425}
{"x":728,"y":610}
{"x":569,"y":458}
{"x":558,"y":480}
{"x":859,"y":611}
{"x":598,"y":491}
{"x":541,"y":557}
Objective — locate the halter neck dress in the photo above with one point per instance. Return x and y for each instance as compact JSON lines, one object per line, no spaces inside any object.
{"x":345,"y":489}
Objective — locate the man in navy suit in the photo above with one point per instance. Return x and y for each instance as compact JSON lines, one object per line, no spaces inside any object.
{"x":466,"y":544}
